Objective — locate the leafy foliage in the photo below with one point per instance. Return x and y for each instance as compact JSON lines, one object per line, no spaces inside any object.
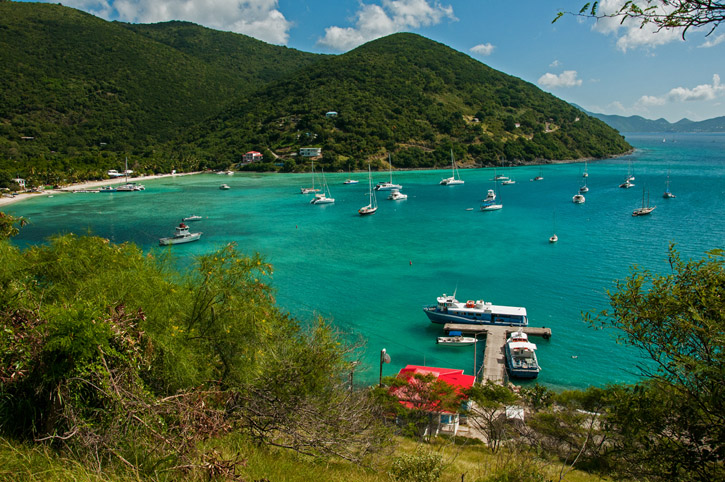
{"x":421,"y":466}
{"x":111,"y":355}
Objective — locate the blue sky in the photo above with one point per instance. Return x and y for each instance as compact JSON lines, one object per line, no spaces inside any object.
{"x":601,"y":66}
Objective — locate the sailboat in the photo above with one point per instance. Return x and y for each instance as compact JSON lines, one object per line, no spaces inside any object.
{"x":586,"y":174}
{"x":554,"y":238}
{"x":372,"y":206}
{"x":324,"y":197}
{"x":645,"y":209}
{"x":129,"y":186}
{"x":349,"y":179}
{"x":668,"y":194}
{"x":540,"y":177}
{"x":308,"y":190}
{"x":453,"y":180}
{"x":584,"y":187}
{"x":388,"y":185}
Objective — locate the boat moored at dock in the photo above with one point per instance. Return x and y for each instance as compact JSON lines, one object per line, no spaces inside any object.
{"x":449,"y":310}
{"x":521,"y":359}
{"x":456,"y":338}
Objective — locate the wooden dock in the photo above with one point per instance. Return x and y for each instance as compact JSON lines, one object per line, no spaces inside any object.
{"x":494,"y":360}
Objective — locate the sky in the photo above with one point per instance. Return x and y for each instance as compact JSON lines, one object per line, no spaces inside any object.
{"x":603,"y":66}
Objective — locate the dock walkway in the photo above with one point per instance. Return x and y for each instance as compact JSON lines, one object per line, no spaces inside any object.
{"x":494,"y":360}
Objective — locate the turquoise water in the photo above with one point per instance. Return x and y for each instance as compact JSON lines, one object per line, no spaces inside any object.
{"x":372,"y":275}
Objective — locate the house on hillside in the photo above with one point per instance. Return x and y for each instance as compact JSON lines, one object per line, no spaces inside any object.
{"x":310,"y":151}
{"x":20,"y":182}
{"x":442,"y":420}
{"x":252,"y":156}
{"x":331,"y":114}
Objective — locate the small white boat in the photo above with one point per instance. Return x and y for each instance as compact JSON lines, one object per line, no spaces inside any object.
{"x":586,"y":174}
{"x":455,"y":178}
{"x":553,"y":238}
{"x":626,"y":184}
{"x":490,"y":204}
{"x":584,"y":188}
{"x":507,"y":182}
{"x":456,"y":338}
{"x":396,"y":195}
{"x":578,"y":199}
{"x":181,"y":236}
{"x":388,"y":185}
{"x":668,"y":194}
{"x":372,"y":206}
{"x":490,"y":196}
{"x":224,"y":187}
{"x":193,"y":217}
{"x":349,"y":180}
{"x":324,"y":197}
{"x":309,"y":190}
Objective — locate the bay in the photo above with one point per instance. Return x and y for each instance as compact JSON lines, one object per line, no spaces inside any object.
{"x":372,"y":275}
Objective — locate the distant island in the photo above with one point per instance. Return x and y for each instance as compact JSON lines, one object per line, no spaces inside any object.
{"x":637,"y":123}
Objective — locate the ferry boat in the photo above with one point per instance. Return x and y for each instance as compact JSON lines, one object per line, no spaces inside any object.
{"x":450,"y":310}
{"x":521,"y":359}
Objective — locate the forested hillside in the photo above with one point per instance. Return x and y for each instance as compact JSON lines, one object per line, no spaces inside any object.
{"x":79,"y":94}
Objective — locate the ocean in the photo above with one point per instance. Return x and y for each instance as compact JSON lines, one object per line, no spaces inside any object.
{"x":371,"y":276}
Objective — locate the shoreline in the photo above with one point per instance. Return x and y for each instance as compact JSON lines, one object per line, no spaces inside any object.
{"x":5,"y":200}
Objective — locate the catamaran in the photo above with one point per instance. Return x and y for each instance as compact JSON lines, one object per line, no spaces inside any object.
{"x":388,"y":185}
{"x":455,"y":178}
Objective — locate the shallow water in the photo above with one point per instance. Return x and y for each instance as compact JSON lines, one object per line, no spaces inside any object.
{"x":372,"y":275}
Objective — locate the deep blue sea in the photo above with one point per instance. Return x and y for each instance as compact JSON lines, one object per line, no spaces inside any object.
{"x":372,"y":275}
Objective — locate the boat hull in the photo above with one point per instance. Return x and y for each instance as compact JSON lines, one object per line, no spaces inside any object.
{"x":179,"y":240}
{"x":456,"y":340}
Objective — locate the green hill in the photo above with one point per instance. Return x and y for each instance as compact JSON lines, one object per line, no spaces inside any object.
{"x":414,"y":97}
{"x":78,"y":94}
{"x":80,"y":86}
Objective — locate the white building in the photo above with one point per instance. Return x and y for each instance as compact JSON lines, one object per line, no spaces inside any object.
{"x":252,"y":156}
{"x":19,"y":182}
{"x":310,"y":151}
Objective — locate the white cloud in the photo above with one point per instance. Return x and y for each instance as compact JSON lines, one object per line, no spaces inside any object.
{"x":714,"y":41}
{"x":375,"y":21}
{"x":565,"y":79}
{"x":650,"y":100}
{"x":260,"y":19}
{"x":701,"y":92}
{"x":482,"y":49}
{"x":555,"y":64}
{"x":630,"y":32}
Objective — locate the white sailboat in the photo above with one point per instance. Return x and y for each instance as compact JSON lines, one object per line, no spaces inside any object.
{"x":308,"y":190}
{"x":586,"y":174}
{"x":129,"y":186}
{"x":455,"y":177}
{"x":388,"y":185}
{"x":349,"y":179}
{"x":372,"y":206}
{"x":324,"y":197}
{"x":668,"y":194}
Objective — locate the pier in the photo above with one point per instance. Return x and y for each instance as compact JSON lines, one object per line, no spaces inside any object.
{"x":494,"y":359}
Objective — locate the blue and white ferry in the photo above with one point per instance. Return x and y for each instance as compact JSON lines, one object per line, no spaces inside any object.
{"x":450,"y":310}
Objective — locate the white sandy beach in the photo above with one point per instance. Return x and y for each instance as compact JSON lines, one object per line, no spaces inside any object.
{"x":84,"y":185}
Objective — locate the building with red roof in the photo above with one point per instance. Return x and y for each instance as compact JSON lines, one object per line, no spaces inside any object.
{"x":444,"y":420}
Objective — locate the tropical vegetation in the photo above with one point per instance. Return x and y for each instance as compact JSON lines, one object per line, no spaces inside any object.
{"x":78,"y":95}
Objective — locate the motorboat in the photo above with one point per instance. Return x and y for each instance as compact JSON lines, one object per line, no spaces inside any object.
{"x":553,"y":238}
{"x":506,"y":182}
{"x":396,"y":195}
{"x":521,"y":360}
{"x":456,"y":338}
{"x":449,"y":310}
{"x":181,"y":236}
{"x":490,"y":196}
{"x":224,"y":187}
{"x":193,"y":217}
{"x":578,"y":199}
